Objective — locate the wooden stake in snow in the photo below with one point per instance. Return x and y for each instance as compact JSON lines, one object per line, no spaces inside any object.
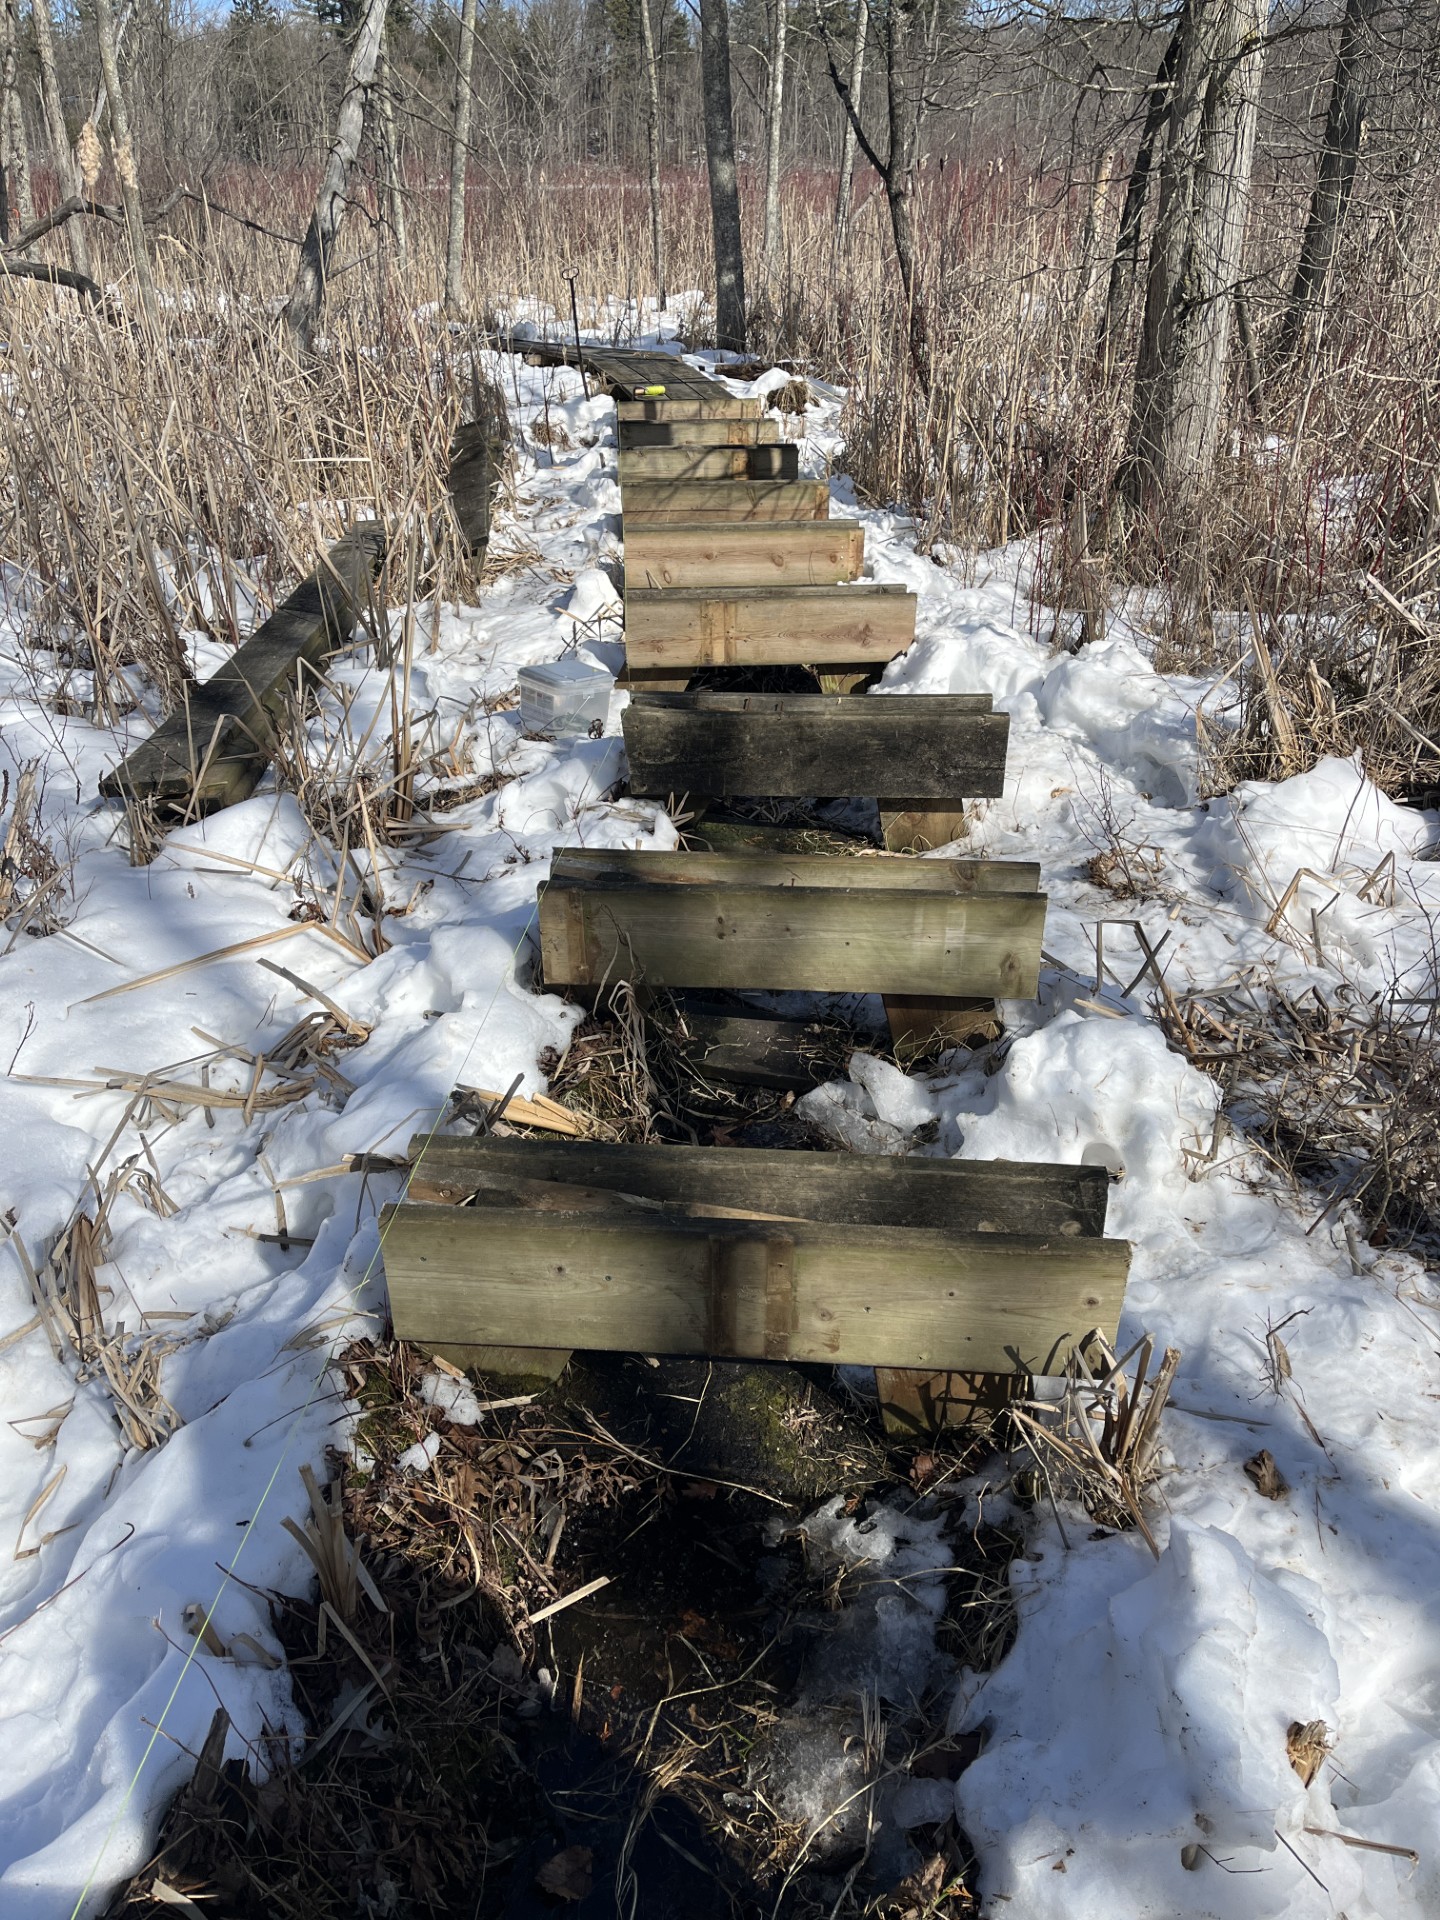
{"x":307,"y":296}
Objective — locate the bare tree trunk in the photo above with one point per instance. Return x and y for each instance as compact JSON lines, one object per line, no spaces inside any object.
{"x":1196,"y":251}
{"x":845,"y":190}
{"x":9,"y":69}
{"x":652,"y":140}
{"x":896,"y":165}
{"x":65,"y":167}
{"x":307,"y":295}
{"x":724,"y":187}
{"x":18,"y":171}
{"x":125,"y":158}
{"x":774,"y":126}
{"x":459,"y":161}
{"x":1125,"y":267}
{"x":898,"y":174}
{"x":1335,"y":177}
{"x":390,"y":161}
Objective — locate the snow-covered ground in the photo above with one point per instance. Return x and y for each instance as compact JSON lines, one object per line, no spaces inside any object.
{"x":1142,"y":1713}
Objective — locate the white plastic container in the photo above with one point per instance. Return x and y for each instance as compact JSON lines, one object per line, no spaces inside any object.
{"x":564,"y":696}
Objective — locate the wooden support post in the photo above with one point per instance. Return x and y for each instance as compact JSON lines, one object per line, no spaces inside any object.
{"x":857,"y":629}
{"x":654,"y":503}
{"x":883,"y":924}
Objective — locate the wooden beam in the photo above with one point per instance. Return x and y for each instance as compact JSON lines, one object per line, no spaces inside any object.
{"x":212,"y":751}
{"x":477,"y":457}
{"x":735,"y":1289}
{"x":806,"y":553}
{"x":763,"y":1051}
{"x":697,"y":433}
{"x":718,"y":405}
{"x":653,"y":503}
{"x":787,"y":746}
{"x":883,"y":924}
{"x":862,"y":627}
{"x":968,"y":1196}
{"x":779,"y":461}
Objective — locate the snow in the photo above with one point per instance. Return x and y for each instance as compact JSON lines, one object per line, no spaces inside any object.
{"x":1143,"y":1708}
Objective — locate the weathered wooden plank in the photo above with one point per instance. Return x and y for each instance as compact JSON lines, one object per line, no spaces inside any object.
{"x":885,"y":924}
{"x":881,"y":1296}
{"x":768,"y":626}
{"x":718,"y":405}
{"x":968,"y":1196}
{"x":779,"y":461}
{"x":212,"y":751}
{"x":477,"y":457}
{"x":653,"y":503}
{"x":759,"y":1052}
{"x":615,"y":869}
{"x":697,"y":433}
{"x":745,"y":554}
{"x":785,"y":746}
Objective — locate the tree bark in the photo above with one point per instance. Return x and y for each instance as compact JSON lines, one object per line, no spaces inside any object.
{"x":459,"y":161}
{"x":845,"y":191}
{"x":125,"y":158}
{"x":1335,"y":177}
{"x":390,"y":159}
{"x":9,"y":73}
{"x":724,"y":187}
{"x":774,"y":126}
{"x":898,"y":174}
{"x":1125,"y":266}
{"x":1196,"y":252}
{"x":307,"y":295}
{"x":65,"y":167}
{"x":652,"y":141}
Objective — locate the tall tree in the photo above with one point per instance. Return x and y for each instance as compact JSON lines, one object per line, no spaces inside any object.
{"x":724,"y":186}
{"x":1125,"y":265}
{"x":894,"y":161}
{"x":459,"y":161}
{"x":125,"y":158}
{"x":845,"y":192}
{"x":774,"y":127}
{"x":652,"y":147}
{"x":1195,"y":251}
{"x":1335,"y":176}
{"x":390,"y":160}
{"x":307,"y":295}
{"x":63,"y":153}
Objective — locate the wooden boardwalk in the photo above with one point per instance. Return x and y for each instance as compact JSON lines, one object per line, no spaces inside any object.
{"x":955,"y":1279}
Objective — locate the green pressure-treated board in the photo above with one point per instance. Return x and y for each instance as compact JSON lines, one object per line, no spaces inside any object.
{"x":677,"y":630}
{"x":773,"y":462}
{"x":884,"y":924}
{"x":909,"y":1297}
{"x":657,"y":503}
{"x":744,"y":553}
{"x":968,"y":1196}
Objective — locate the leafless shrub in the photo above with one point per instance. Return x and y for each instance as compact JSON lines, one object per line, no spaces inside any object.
{"x":1335,"y":1086}
{"x":1098,"y":1445}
